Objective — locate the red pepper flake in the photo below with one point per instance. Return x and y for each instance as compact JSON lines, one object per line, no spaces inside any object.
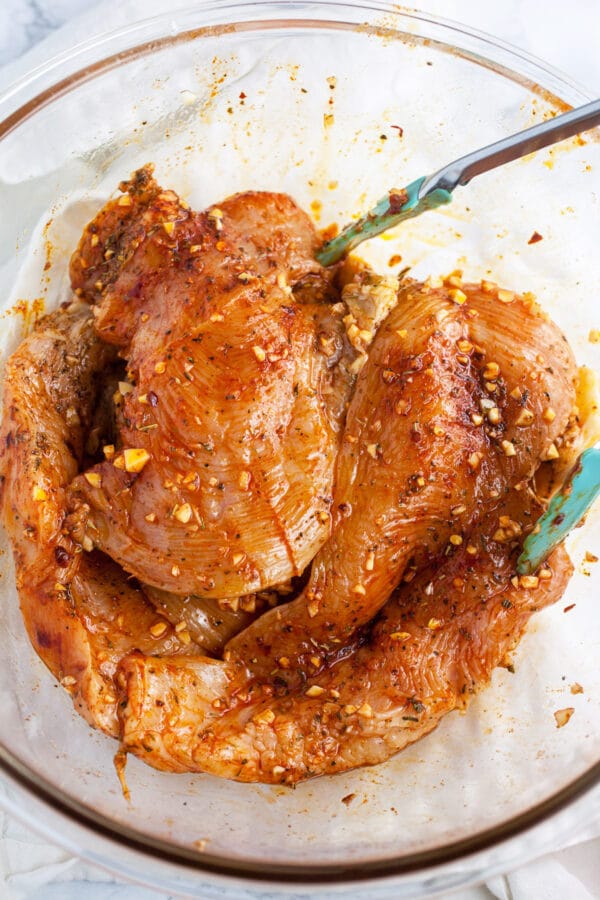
{"x":535,"y":237}
{"x":347,"y":800}
{"x":569,"y":608}
{"x":399,"y":129}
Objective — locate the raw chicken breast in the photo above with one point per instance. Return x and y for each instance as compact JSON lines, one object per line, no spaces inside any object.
{"x":464,"y":394}
{"x":237,"y":393}
{"x":434,"y":645}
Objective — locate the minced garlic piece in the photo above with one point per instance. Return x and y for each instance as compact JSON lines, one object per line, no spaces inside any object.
{"x":457,"y":296}
{"x":315,"y":691}
{"x":491,"y":371}
{"x":266,"y":717}
{"x":183,"y":513}
{"x":369,"y":298}
{"x":506,"y":296}
{"x":551,"y":453}
{"x":524,"y":418}
{"x":474,"y":460}
{"x":216,"y":217}
{"x":454,"y":279}
{"x":529,"y":582}
{"x":93,"y":478}
{"x":135,"y":458}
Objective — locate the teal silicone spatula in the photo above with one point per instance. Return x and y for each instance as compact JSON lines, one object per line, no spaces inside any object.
{"x":435,"y":190}
{"x":566,"y":509}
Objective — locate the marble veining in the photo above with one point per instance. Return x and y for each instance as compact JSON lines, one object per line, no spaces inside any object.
{"x":23,"y":23}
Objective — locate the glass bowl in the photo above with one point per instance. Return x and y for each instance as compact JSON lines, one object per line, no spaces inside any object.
{"x":334,"y":103}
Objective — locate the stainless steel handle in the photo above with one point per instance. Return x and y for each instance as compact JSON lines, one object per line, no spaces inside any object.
{"x":462,"y":170}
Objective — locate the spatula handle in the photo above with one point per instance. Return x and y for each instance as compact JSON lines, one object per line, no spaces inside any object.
{"x":462,"y":170}
{"x":566,"y":509}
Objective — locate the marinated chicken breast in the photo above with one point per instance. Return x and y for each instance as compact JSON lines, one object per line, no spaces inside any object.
{"x":237,"y":393}
{"x":266,"y":516}
{"x":455,"y":407}
{"x":81,"y":612}
{"x":435,"y":644}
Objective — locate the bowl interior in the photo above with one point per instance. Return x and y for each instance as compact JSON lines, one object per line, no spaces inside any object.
{"x":334,"y":114}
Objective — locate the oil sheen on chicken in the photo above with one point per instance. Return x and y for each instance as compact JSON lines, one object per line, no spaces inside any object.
{"x":265,"y":527}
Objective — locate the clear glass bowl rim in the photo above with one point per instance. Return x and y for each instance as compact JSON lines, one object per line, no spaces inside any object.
{"x":87,"y":60}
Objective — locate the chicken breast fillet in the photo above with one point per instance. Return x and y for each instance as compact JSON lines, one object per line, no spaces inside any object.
{"x":81,"y":612}
{"x":177,"y":449}
{"x":458,"y":404}
{"x":435,"y":644}
{"x":237,"y":392}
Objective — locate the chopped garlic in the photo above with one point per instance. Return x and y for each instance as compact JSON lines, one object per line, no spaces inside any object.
{"x":135,"y":458}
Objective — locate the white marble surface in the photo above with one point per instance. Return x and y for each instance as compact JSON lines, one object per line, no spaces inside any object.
{"x":567,"y":35}
{"x":24,"y":23}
